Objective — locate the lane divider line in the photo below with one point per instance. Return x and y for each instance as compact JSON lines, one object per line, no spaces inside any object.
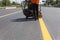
{"x":9,"y":14}
{"x":45,"y":33}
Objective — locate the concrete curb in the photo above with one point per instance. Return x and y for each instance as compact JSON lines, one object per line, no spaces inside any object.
{"x":10,"y":7}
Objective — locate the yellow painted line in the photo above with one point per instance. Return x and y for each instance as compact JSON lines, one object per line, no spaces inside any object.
{"x":9,"y":14}
{"x":45,"y":33}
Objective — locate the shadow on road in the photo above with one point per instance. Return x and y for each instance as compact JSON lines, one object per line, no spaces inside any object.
{"x":22,"y":20}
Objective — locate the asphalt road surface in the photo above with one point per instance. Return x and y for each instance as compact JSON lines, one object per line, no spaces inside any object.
{"x":51,"y":17}
{"x":14,"y":26}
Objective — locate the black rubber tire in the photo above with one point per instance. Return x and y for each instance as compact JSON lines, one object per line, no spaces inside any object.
{"x":26,"y":17}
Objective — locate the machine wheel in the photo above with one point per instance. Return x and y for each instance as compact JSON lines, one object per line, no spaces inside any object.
{"x":26,"y":17}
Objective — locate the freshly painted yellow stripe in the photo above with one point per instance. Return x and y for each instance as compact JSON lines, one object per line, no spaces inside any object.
{"x":45,"y":33}
{"x":9,"y":14}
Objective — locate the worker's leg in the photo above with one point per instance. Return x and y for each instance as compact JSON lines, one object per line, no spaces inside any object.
{"x":33,"y":8}
{"x":36,"y":8}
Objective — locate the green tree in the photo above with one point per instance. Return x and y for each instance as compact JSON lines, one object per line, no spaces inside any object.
{"x":6,"y":2}
{"x":56,"y":1}
{"x":58,"y":4}
{"x":0,"y":3}
{"x":13,"y":3}
{"x":49,"y":1}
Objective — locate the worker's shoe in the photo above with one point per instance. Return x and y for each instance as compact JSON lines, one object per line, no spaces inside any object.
{"x":40,"y":15}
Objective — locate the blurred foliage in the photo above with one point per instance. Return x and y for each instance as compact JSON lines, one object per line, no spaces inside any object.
{"x":5,"y":3}
{"x":58,"y":4}
{"x":52,"y":3}
{"x":13,"y":3}
{"x":0,"y":3}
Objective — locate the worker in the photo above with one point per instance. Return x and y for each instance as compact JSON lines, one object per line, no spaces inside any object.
{"x":35,"y":4}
